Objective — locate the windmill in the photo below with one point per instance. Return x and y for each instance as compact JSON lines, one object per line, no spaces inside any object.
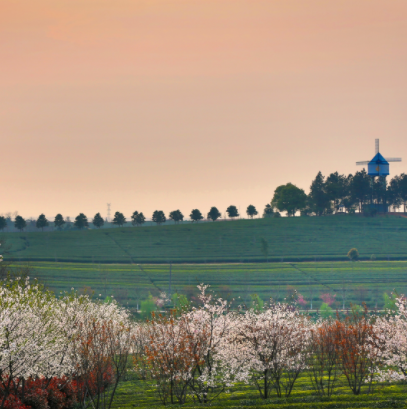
{"x":378,"y":166}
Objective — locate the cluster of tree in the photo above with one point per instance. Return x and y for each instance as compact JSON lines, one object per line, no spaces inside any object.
{"x":341,"y":193}
{"x":60,"y":352}
{"x":333,"y":194}
{"x":80,"y":349}
{"x":203,"y":351}
{"x":137,"y":218}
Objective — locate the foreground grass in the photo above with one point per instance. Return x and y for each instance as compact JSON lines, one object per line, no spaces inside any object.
{"x":133,"y":393}
{"x":350,"y":282}
{"x":289,"y":239}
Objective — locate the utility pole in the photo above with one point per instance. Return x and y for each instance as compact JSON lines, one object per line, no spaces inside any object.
{"x":108,"y":212}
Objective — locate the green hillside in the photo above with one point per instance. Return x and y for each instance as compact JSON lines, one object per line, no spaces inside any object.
{"x":289,"y":239}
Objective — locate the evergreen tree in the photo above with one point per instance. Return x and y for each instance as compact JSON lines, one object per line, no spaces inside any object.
{"x":41,"y":222}
{"x":251,"y":211}
{"x":232,"y":211}
{"x":81,"y":221}
{"x":337,"y":189}
{"x":176,"y":216}
{"x":119,"y":219}
{"x":159,"y":217}
{"x":402,"y":189}
{"x":3,"y":223}
{"x":137,"y":219}
{"x":59,"y":221}
{"x":319,"y":201}
{"x":360,"y":188}
{"x":196,"y":215}
{"x":98,"y":221}
{"x":20,"y":223}
{"x":214,"y":214}
{"x":133,"y":218}
{"x":268,"y":211}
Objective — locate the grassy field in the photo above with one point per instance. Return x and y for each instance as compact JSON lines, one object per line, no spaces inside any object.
{"x":134,"y":393}
{"x":354,"y":282}
{"x":289,"y":239}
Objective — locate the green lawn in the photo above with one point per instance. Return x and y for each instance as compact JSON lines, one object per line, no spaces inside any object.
{"x":133,"y":393}
{"x":289,"y":239}
{"x":356,"y":282}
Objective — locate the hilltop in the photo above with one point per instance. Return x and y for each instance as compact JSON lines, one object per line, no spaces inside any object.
{"x":289,"y":239}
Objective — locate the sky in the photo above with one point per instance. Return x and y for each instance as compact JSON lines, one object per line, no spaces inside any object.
{"x":182,"y":104}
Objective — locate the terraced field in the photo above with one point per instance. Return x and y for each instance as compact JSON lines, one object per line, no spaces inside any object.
{"x":130,"y":283}
{"x":289,"y":239}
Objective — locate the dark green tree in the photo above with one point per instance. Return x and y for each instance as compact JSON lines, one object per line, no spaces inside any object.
{"x":379,"y":190}
{"x":289,"y":198}
{"x":319,"y":201}
{"x":402,"y":187}
{"x":251,"y":211}
{"x":397,"y":191}
{"x":393,"y":194}
{"x":159,"y":217}
{"x":196,"y":215}
{"x":98,"y":221}
{"x":268,"y":211}
{"x":137,"y":219}
{"x":214,"y":214}
{"x":232,"y":211}
{"x":20,"y":223}
{"x":3,"y":223}
{"x":337,"y":189}
{"x":81,"y":221}
{"x":41,"y":222}
{"x":176,"y":216}
{"x":119,"y":219}
{"x":59,"y":221}
{"x":360,"y":188}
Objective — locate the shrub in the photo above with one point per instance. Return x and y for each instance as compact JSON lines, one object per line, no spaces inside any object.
{"x":353,"y":254}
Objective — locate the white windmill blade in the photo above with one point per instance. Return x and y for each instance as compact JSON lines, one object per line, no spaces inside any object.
{"x":365,"y":162}
{"x":376,"y":146}
{"x":393,"y":159}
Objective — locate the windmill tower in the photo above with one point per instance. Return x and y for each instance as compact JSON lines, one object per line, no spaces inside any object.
{"x":378,"y":167}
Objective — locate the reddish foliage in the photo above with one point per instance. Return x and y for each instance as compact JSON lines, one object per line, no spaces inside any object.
{"x":55,"y":393}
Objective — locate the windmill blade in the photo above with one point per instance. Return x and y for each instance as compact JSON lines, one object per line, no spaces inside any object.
{"x":393,"y":159}
{"x":365,"y":162}
{"x":376,"y":146}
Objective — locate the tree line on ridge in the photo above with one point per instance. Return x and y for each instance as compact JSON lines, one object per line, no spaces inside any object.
{"x":334,"y":194}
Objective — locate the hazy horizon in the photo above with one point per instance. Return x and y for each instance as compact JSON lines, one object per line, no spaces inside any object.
{"x":191,"y":104}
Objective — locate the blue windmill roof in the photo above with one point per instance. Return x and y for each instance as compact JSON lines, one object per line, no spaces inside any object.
{"x":378,"y":158}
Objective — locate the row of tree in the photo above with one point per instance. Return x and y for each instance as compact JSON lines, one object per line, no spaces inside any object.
{"x":333,"y":194}
{"x":71,"y":351}
{"x":137,"y":218}
{"x":341,"y":193}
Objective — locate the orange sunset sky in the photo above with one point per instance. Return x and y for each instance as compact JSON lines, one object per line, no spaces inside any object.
{"x":167,"y":104}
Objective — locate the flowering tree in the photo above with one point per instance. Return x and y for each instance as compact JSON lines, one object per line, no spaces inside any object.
{"x":208,"y":328}
{"x":392,"y":333}
{"x":359,"y":349}
{"x":43,"y":338}
{"x":269,"y":348}
{"x":29,"y":338}
{"x":168,"y":358}
{"x":323,"y":357}
{"x":328,"y":298}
